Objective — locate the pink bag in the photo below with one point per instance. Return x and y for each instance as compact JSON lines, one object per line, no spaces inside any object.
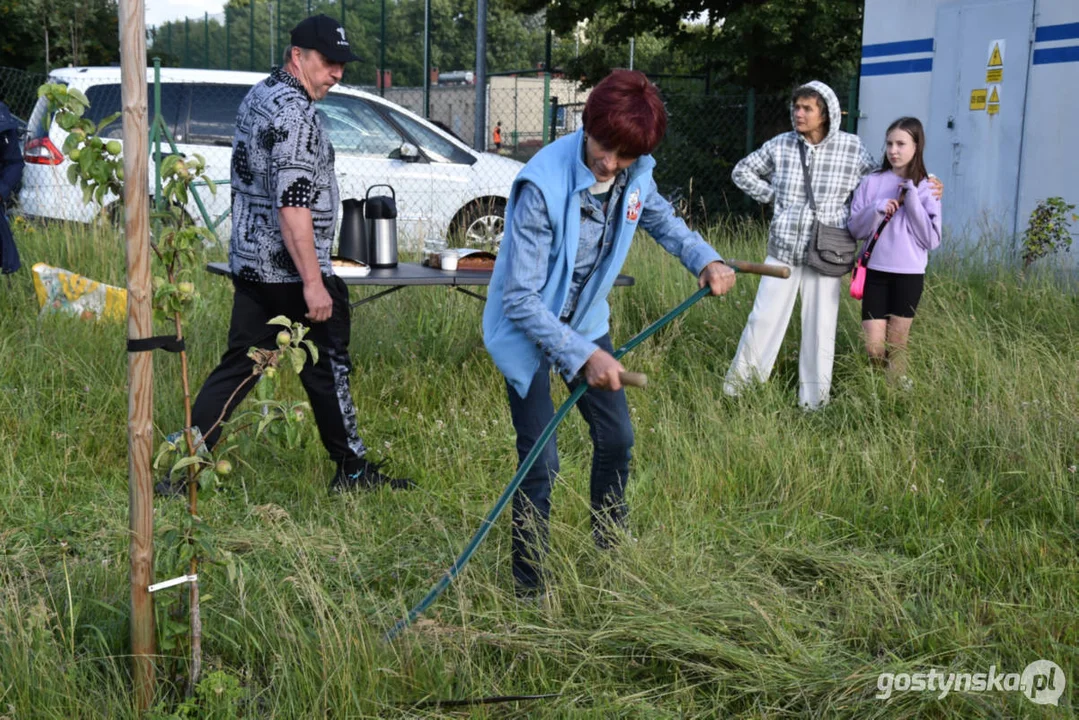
{"x":857,"y":281}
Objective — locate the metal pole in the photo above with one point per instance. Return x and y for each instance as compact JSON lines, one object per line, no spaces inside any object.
{"x":187,"y":41}
{"x":277,"y":36}
{"x":751,"y":118}
{"x":228,"y":48}
{"x":155,"y":136}
{"x":206,"y":39}
{"x":382,"y":54}
{"x":427,"y":59}
{"x":852,"y":106}
{"x":554,"y":118}
{"x":751,"y":123}
{"x":140,"y":367}
{"x":546,"y":85}
{"x":251,"y":39}
{"x":479,"y":138}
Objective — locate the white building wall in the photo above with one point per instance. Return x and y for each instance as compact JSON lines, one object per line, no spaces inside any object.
{"x":905,"y":55}
{"x":897,"y":61}
{"x":1050,"y":160}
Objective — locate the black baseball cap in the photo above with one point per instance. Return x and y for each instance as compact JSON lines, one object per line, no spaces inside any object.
{"x":323,"y":33}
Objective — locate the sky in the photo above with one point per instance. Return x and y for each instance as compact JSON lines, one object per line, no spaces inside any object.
{"x":159,"y":11}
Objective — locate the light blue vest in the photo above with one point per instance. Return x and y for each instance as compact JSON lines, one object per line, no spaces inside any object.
{"x":559,"y":172}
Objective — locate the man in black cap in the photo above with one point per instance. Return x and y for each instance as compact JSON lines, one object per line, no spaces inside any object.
{"x":284,"y":213}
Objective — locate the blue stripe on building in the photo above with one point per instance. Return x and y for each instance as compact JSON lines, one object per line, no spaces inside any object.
{"x":897,"y":67}
{"x":902,"y":47}
{"x":1067,"y":31}
{"x":1048,"y":56}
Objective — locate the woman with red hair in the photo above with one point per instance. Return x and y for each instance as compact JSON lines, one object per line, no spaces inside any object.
{"x":571,"y":217}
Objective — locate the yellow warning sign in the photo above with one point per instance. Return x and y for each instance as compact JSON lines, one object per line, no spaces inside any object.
{"x":995,"y":58}
{"x":994,"y":97}
{"x":994,"y":75}
{"x":993,"y":109}
{"x":977,"y":99}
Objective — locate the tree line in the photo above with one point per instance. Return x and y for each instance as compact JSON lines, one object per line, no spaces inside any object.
{"x":765,"y":44}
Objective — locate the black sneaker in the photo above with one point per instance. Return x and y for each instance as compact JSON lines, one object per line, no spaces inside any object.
{"x":366,"y":476}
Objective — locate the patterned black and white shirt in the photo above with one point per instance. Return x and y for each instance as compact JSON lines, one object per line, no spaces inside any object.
{"x":281,"y":157}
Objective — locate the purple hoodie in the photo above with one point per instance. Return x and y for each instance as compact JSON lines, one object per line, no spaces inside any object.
{"x":904,"y":245}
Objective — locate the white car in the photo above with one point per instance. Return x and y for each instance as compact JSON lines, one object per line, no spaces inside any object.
{"x":443,"y":187}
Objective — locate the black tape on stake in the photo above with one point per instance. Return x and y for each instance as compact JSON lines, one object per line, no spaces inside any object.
{"x":168,"y":343}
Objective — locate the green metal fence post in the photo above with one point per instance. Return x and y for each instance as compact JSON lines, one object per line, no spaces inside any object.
{"x":852,"y":106}
{"x":751,"y":140}
{"x":228,"y":49}
{"x":751,"y":119}
{"x":554,"y":118}
{"x":206,"y":34}
{"x":251,"y":39}
{"x":546,"y":86}
{"x":187,"y":43}
{"x":155,"y":134}
{"x":382,"y":54}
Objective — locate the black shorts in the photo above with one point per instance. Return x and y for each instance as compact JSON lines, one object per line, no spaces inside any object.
{"x":891,"y":294}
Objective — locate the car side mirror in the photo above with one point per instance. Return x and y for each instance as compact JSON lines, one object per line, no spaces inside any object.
{"x":409,"y":152}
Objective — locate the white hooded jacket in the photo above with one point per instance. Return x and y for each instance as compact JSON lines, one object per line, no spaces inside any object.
{"x":773,"y":174}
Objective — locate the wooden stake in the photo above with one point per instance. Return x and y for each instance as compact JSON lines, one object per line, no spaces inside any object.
{"x":140,"y":369}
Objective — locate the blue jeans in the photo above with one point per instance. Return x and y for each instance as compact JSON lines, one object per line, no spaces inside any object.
{"x":607,"y":415}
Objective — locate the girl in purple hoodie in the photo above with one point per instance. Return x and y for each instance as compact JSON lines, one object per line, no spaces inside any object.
{"x":900,"y":190}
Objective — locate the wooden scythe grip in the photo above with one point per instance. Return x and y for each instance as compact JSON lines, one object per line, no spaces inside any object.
{"x":778,"y":271}
{"x":633,"y":379}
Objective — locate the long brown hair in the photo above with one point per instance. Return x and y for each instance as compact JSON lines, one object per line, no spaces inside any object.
{"x":912,"y":126}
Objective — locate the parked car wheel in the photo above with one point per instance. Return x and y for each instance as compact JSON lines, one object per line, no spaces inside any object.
{"x":480,"y":225}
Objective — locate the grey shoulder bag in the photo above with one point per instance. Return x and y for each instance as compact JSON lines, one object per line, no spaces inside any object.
{"x":832,"y":251}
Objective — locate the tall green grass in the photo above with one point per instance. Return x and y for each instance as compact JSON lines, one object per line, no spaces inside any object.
{"x":784,"y":559}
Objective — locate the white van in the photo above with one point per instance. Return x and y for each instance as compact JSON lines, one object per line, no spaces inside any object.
{"x":443,"y":187}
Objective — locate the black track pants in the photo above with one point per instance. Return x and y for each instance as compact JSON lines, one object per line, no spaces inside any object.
{"x":326,"y":382}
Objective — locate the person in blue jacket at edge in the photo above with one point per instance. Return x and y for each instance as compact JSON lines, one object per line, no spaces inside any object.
{"x":11,"y":166}
{"x":571,"y":217}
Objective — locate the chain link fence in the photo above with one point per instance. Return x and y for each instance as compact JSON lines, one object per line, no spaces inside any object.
{"x":443,"y":186}
{"x":18,"y":90}
{"x":708,"y":132}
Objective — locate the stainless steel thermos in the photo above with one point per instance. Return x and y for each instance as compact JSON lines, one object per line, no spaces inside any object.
{"x":369,"y":229}
{"x":380,"y":220}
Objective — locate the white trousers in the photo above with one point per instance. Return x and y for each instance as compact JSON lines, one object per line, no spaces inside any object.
{"x":759,"y":346}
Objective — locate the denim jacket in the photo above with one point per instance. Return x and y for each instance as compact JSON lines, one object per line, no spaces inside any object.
{"x":548,"y":221}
